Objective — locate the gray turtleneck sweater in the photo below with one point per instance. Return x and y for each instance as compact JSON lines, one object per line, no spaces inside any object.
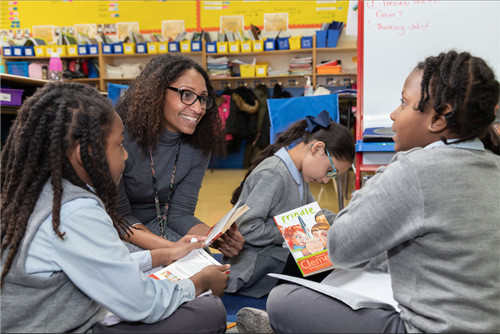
{"x":137,"y":202}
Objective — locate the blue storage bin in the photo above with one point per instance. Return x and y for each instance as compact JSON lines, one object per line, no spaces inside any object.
{"x":18,"y":68}
{"x":18,"y":51}
{"x":29,"y":51}
{"x":195,"y":46}
{"x":211,"y":47}
{"x":107,"y":49}
{"x":93,"y":49}
{"x":321,"y":38}
{"x":270,"y":44}
{"x":118,"y":48}
{"x":173,"y":47}
{"x":333,"y":37}
{"x":7,"y":51}
{"x":83,"y":50}
{"x":283,"y":43}
{"x":306,"y":42}
{"x":141,"y":48}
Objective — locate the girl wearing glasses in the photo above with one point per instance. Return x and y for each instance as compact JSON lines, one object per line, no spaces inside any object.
{"x":277,"y":182}
{"x":172,"y":129}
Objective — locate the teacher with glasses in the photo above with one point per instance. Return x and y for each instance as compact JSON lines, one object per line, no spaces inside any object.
{"x":172,"y":129}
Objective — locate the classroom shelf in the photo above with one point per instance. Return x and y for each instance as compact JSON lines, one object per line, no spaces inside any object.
{"x":84,"y":80}
{"x":260,"y":78}
{"x":260,"y":53}
{"x":144,"y":55}
{"x":336,"y":74}
{"x":48,"y":58}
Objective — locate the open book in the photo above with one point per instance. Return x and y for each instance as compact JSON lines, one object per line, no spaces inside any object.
{"x":198,"y":259}
{"x":355,"y":288}
{"x":305,"y":230}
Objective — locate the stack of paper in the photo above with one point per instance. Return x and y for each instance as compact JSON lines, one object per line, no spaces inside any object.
{"x":272,"y":72}
{"x":218,"y":67}
{"x":301,"y":66}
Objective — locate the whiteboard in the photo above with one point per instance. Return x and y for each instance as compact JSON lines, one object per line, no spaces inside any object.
{"x":400,"y":34}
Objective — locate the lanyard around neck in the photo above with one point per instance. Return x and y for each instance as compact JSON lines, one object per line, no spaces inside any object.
{"x":162,"y":218}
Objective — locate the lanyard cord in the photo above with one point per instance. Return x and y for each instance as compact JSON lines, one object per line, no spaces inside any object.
{"x":162,"y":218}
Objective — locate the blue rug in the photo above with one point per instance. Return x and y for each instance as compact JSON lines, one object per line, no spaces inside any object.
{"x":234,"y":303}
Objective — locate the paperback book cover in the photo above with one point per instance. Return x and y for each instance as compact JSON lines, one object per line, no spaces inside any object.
{"x":305,"y":231}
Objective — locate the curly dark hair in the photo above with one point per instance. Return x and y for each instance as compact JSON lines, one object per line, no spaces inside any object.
{"x":141,"y":107}
{"x":337,"y":138}
{"x":48,"y":127}
{"x":469,"y":86}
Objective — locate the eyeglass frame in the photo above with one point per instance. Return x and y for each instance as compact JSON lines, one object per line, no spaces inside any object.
{"x":334,"y":172}
{"x":198,"y":97}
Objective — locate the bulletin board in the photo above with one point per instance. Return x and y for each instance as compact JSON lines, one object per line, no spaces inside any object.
{"x":24,"y":14}
{"x":301,"y":14}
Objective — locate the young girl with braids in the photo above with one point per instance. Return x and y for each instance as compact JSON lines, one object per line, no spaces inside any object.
{"x":433,"y":213}
{"x":276,"y":183}
{"x":63,"y":263}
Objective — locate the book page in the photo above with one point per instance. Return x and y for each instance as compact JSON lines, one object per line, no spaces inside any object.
{"x":186,"y":267}
{"x":225,"y":223}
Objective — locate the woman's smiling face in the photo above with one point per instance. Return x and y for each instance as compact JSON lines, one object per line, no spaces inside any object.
{"x":177,"y":116}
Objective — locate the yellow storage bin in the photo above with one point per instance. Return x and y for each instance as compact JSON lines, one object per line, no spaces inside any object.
{"x":153,"y":47}
{"x":128,"y":48}
{"x":72,"y":50}
{"x":222,"y":47}
{"x":163,"y":47}
{"x":49,"y":49}
{"x":258,"y":46}
{"x":185,"y":46}
{"x":234,"y":47}
{"x":294,"y":42}
{"x":247,"y":70}
{"x":40,"y":51}
{"x":246,"y":46}
{"x":261,"y":69}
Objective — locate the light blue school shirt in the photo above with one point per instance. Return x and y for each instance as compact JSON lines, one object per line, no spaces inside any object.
{"x":474,"y":144}
{"x":92,"y":242}
{"x":297,"y":176}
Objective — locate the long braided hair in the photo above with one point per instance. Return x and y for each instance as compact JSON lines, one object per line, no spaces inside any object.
{"x":141,"y":107}
{"x":468,"y":84}
{"x":337,"y":138}
{"x":49,"y":126}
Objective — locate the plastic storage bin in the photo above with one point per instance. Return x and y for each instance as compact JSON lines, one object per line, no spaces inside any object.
{"x":11,"y":97}
{"x":294,"y":42}
{"x":185,"y":46}
{"x":17,"y":51}
{"x":306,"y":42}
{"x":329,"y":69}
{"x":18,"y":68}
{"x":321,"y":38}
{"x":7,"y":51}
{"x":247,"y":70}
{"x":246,"y":46}
{"x":29,"y":51}
{"x":163,"y":47}
{"x":93,"y":49}
{"x":261,"y":69}
{"x":270,"y":44}
{"x":141,"y":48}
{"x":118,"y":48}
{"x":129,"y":48}
{"x":195,"y":46}
{"x":83,"y":50}
{"x":40,"y":51}
{"x":152,"y":47}
{"x":283,"y":44}
{"x":107,"y":49}
{"x":258,"y":46}
{"x":221,"y":47}
{"x":234,"y":47}
{"x":173,"y":47}
{"x":333,"y":37}
{"x":72,"y":50}
{"x":211,"y":47}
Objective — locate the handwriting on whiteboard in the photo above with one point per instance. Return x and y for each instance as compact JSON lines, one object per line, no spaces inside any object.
{"x":390,"y":16}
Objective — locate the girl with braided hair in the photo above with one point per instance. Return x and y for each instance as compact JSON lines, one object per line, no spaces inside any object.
{"x":63,"y":263}
{"x":432,"y":214}
{"x":172,"y":128}
{"x":277,"y":182}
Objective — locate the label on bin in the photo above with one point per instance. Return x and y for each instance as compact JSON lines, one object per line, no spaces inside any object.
{"x":128,"y":48}
{"x":257,"y":47}
{"x":269,"y":45}
{"x":17,"y":52}
{"x":260,"y":70}
{"x":173,"y":47}
{"x":246,"y":46}
{"x":93,"y":49}
{"x":107,"y":48}
{"x":234,"y":47}
{"x":185,"y":47}
{"x":196,"y":46}
{"x":222,"y":48}
{"x":163,"y":47}
{"x":211,"y":48}
{"x":140,"y":48}
{"x":151,"y":47}
{"x":5,"y":97}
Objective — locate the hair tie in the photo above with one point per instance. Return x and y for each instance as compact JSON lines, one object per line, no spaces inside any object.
{"x":241,"y":184}
{"x":321,"y":121}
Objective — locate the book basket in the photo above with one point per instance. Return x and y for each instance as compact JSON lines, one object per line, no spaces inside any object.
{"x":18,"y":68}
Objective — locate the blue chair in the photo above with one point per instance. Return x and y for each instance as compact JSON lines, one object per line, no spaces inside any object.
{"x":116,"y":91}
{"x":285,"y":112}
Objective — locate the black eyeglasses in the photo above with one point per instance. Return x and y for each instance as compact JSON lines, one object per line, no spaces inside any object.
{"x":189,"y":97}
